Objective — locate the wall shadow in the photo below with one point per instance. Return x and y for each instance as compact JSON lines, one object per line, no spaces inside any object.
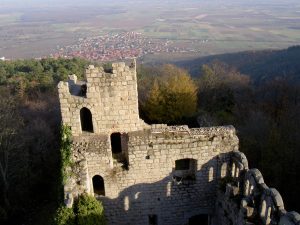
{"x":170,"y":200}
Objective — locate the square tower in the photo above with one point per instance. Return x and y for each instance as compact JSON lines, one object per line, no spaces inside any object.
{"x":106,"y":102}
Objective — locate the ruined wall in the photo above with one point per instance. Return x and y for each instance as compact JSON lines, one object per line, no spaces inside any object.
{"x":246,"y":199}
{"x":110,"y":96}
{"x":149,"y":185}
{"x":161,"y":175}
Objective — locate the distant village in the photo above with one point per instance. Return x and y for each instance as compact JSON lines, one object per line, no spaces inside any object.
{"x":121,"y":46}
{"x":111,"y":47}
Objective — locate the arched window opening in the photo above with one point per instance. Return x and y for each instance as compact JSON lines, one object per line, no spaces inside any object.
{"x":169,"y":189}
{"x":137,"y":195}
{"x":98,"y":185}
{"x":86,"y":120}
{"x":211,"y":174}
{"x":246,"y":188}
{"x":268,"y":219}
{"x":126,"y":203}
{"x":224,"y":170}
{"x":237,"y":172}
{"x":263,"y":209}
{"x":251,"y":188}
{"x":233,"y":170}
{"x":116,"y":143}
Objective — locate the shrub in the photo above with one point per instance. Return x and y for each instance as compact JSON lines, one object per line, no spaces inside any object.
{"x":66,"y":152}
{"x":64,"y":216}
{"x":89,"y":211}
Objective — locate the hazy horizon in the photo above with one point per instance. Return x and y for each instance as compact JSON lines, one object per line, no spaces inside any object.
{"x":52,"y":3}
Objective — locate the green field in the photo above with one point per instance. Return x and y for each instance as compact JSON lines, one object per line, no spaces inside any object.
{"x":227,"y":27}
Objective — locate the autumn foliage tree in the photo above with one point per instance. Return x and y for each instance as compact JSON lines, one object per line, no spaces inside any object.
{"x":172,"y":97}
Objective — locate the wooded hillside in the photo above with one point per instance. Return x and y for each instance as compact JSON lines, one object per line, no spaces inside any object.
{"x":261,"y":65}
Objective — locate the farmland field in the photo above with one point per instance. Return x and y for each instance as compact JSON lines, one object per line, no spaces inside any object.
{"x":212,"y":27}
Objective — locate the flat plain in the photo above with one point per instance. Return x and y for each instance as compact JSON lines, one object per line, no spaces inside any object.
{"x":209,"y":28}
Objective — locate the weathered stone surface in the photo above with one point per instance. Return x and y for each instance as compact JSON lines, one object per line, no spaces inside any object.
{"x":259,"y":204}
{"x":172,"y":172}
{"x":290,"y":218}
{"x":112,"y":100}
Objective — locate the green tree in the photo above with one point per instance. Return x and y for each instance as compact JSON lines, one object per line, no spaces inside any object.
{"x":89,"y":211}
{"x":172,"y":97}
{"x":64,"y":216}
{"x":86,"y":210}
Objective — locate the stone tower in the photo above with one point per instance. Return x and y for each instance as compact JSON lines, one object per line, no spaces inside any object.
{"x":107,"y":102}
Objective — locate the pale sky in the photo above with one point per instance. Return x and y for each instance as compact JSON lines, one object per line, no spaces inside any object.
{"x":12,"y":5}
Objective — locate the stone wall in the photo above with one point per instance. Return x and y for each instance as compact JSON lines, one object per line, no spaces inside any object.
{"x":150,"y":184}
{"x":110,"y":96}
{"x":246,"y":199}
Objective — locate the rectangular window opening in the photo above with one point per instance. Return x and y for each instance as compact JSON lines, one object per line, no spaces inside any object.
{"x":182,"y":164}
{"x":119,"y":148}
{"x":116,"y":143}
{"x":185,"y":171}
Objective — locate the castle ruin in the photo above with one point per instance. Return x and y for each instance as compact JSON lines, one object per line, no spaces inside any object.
{"x":158,"y":174}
